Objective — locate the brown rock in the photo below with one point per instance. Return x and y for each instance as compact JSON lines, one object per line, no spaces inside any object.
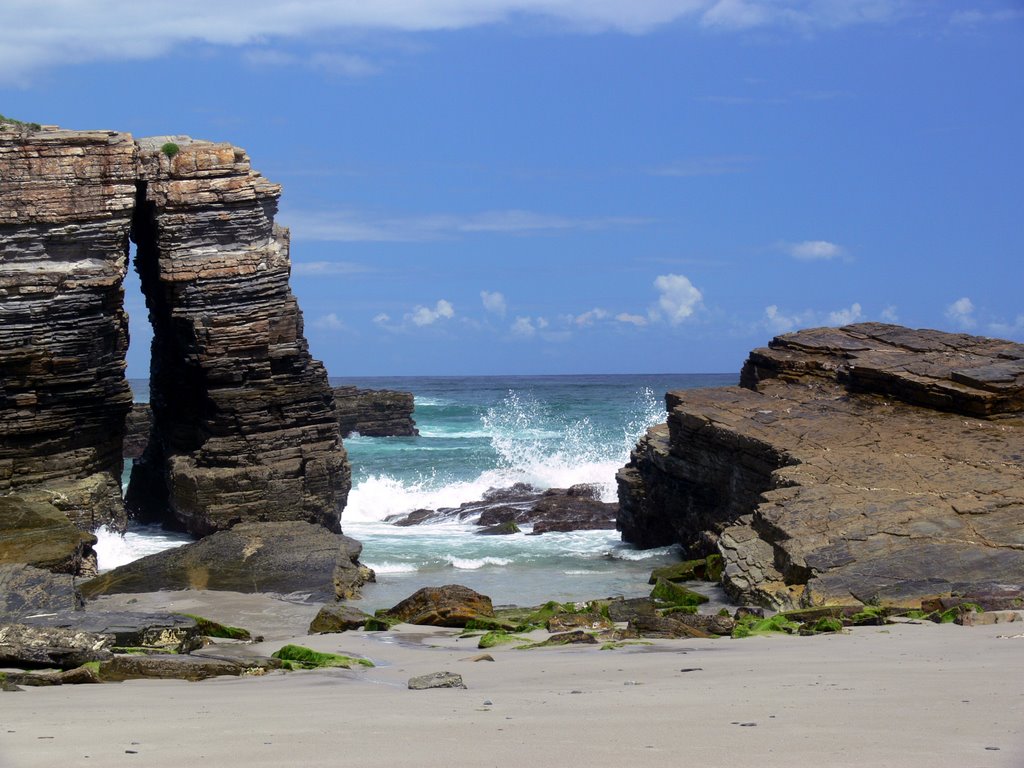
{"x":566,"y":622}
{"x":375,"y":412}
{"x":38,"y":534}
{"x":449,"y":606}
{"x":837,"y":477}
{"x":32,"y":647}
{"x":337,"y":618}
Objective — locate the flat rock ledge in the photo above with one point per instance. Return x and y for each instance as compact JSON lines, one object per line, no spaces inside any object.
{"x":870,"y":463}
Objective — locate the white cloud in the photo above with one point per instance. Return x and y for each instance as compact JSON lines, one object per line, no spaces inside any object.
{"x":589,"y":317}
{"x":523,"y":326}
{"x":678,"y":298}
{"x":813,"y":250}
{"x":360,"y":226}
{"x":421,"y":315}
{"x":342,"y":64}
{"x":35,"y":36}
{"x":494,"y":302}
{"x":329,"y":322}
{"x":382,"y":319}
{"x":845,"y":316}
{"x":889,"y":314}
{"x":327,"y":268}
{"x":778,"y":322}
{"x":625,"y":317}
{"x":961,"y":312}
{"x":1014,"y":330}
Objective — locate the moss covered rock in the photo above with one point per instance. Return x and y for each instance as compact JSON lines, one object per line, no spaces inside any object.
{"x":301,"y":657}
{"x":674,"y":594}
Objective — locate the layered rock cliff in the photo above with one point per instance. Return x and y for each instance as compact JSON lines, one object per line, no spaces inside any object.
{"x":66,"y":201}
{"x":867,"y":463}
{"x":244,"y":421}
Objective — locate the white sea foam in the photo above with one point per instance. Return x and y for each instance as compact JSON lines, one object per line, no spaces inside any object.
{"x":114,"y":549}
{"x":471,"y":564}
{"x":385,"y":567}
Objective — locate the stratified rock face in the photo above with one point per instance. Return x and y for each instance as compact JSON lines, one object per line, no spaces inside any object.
{"x":831,"y":478}
{"x":244,"y":427}
{"x":66,"y":201}
{"x":375,"y":412}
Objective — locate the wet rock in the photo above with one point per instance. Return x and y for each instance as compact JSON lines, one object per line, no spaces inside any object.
{"x":79,"y":675}
{"x":26,"y":591}
{"x":29,"y":647}
{"x":174,"y":667}
{"x":337,"y":618}
{"x":449,"y":606}
{"x":501,"y":529}
{"x":281,"y":558}
{"x":666,"y":627}
{"x":566,"y":622}
{"x":40,"y":535}
{"x":631,"y":608}
{"x":375,"y":412}
{"x":436,"y":680}
{"x":853,"y":461}
{"x":575,"y":637}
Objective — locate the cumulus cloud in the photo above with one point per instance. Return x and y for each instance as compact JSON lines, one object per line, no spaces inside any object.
{"x":625,"y":317}
{"x":778,"y":321}
{"x":889,"y":314}
{"x":421,"y":315}
{"x":845,"y":316}
{"x":35,"y":36}
{"x":494,"y":302}
{"x":527,"y":327}
{"x":813,"y":250}
{"x":961,"y":313}
{"x":329,"y":322}
{"x":678,"y":298}
{"x":1011,"y":330}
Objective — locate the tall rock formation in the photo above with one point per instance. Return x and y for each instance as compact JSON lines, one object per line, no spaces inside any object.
{"x":66,"y":201}
{"x":244,"y":426}
{"x":866,"y":463}
{"x":244,"y":420}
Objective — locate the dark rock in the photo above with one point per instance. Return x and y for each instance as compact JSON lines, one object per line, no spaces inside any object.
{"x":436,"y":680}
{"x":27,"y":591}
{"x":337,"y":618}
{"x":76,"y":676}
{"x":675,"y":594}
{"x":165,"y":632}
{"x":375,"y":412}
{"x":38,"y":534}
{"x":501,"y":529}
{"x":688,"y":570}
{"x":630,"y":608}
{"x":137,"y":425}
{"x":850,"y":471}
{"x":251,"y":557}
{"x":449,"y":606}
{"x":667,"y":627}
{"x":29,"y":647}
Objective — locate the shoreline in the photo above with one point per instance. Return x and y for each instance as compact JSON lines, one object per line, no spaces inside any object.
{"x":908,"y":694}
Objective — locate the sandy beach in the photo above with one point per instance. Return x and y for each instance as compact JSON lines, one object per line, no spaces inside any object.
{"x":907,"y":694}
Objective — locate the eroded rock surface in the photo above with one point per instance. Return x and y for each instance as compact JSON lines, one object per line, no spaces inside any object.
{"x":830,"y":476}
{"x":40,"y":535}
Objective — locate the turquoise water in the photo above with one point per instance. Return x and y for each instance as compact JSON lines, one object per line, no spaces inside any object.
{"x":480,"y":433}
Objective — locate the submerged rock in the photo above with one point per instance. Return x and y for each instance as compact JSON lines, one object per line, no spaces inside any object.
{"x":251,"y":557}
{"x":869,"y":461}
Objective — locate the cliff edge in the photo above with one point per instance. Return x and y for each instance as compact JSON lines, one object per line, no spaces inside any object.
{"x":870,"y":463}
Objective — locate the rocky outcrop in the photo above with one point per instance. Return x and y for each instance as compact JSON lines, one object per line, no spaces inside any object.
{"x":452,"y":605}
{"x":282,"y":558}
{"x":243,"y":419}
{"x":852,"y":465}
{"x":244,"y":424}
{"x":137,"y":426}
{"x":26,"y":591}
{"x":375,"y":412}
{"x":66,"y":202}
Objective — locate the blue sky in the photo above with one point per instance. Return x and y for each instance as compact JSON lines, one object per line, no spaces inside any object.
{"x":558,"y":186}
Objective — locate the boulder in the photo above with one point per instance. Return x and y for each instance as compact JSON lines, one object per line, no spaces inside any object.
{"x":333,"y":617}
{"x":164,"y":632}
{"x":282,"y":558}
{"x":174,"y":667}
{"x":567,"y":622}
{"x":449,"y":606}
{"x":870,"y":461}
{"x":436,"y":680}
{"x":575,"y":637}
{"x":38,"y":534}
{"x":26,"y":591}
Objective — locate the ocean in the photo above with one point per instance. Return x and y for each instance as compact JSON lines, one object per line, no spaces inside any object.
{"x":477,"y":434}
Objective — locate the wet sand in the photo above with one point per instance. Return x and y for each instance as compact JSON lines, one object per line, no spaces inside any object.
{"x":907,"y":695}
